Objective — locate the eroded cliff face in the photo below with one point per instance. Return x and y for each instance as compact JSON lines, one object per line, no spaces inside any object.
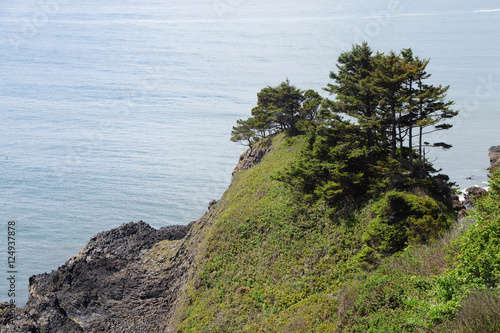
{"x":253,"y":156}
{"x":133,"y":278}
{"x":125,"y":280}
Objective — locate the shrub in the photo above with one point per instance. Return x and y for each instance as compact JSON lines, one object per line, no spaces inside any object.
{"x":478,"y":314}
{"x":402,"y":218}
{"x":478,"y":260}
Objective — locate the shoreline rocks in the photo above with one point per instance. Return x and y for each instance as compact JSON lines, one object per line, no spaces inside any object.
{"x":475,"y":192}
{"x":106,"y":287}
{"x":462,"y":206}
{"x":459,"y":207}
{"x":131,"y":279}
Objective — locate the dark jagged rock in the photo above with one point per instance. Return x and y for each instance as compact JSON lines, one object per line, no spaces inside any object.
{"x":476,"y":192}
{"x":107,"y":287}
{"x":129,"y":279}
{"x":459,"y":207}
{"x":471,"y":194}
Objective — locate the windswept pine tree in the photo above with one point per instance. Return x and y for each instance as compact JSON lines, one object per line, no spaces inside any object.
{"x":390,"y":98}
{"x":355,"y":94}
{"x":279,"y":109}
{"x":388,"y":77}
{"x":372,"y":137}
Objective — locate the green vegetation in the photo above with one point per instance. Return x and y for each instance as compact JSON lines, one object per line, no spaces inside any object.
{"x":402,"y":218}
{"x":267,"y":266}
{"x":479,"y":256}
{"x":281,"y":108}
{"x":392,"y":106}
{"x":447,"y":285}
{"x":343,"y":226}
{"x":274,"y":264}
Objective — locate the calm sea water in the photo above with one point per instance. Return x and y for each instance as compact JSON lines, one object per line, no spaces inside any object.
{"x":117,"y":111}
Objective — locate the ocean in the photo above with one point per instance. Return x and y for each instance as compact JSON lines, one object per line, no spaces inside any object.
{"x":118,"y":111}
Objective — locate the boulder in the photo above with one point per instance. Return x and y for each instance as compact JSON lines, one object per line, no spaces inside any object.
{"x":475,"y":192}
{"x":471,"y":194}
{"x":457,"y":204}
{"x":459,"y":207}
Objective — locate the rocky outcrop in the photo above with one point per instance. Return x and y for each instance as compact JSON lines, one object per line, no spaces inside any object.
{"x":133,"y":278}
{"x":252,"y":157}
{"x":494,"y":154}
{"x":475,"y":192}
{"x":117,"y":283}
{"x":462,"y":206}
{"x":459,"y":207}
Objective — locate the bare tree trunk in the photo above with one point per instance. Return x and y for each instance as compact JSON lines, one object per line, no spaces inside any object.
{"x":410,"y":139}
{"x":420,"y":153}
{"x":393,"y":134}
{"x":410,"y":145}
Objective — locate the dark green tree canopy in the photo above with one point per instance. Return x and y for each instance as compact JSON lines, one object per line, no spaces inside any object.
{"x":392,"y":102}
{"x":281,"y":108}
{"x":372,"y":137}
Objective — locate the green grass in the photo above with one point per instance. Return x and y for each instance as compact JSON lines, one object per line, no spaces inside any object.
{"x":268,"y":262}
{"x":271,"y":264}
{"x":447,"y":285}
{"x":268,"y":267}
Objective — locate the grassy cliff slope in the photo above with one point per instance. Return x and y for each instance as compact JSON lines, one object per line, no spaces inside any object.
{"x":263,"y":259}
{"x":271,"y":264}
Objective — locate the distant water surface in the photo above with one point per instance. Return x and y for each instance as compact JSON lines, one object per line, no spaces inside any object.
{"x":117,"y":111}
